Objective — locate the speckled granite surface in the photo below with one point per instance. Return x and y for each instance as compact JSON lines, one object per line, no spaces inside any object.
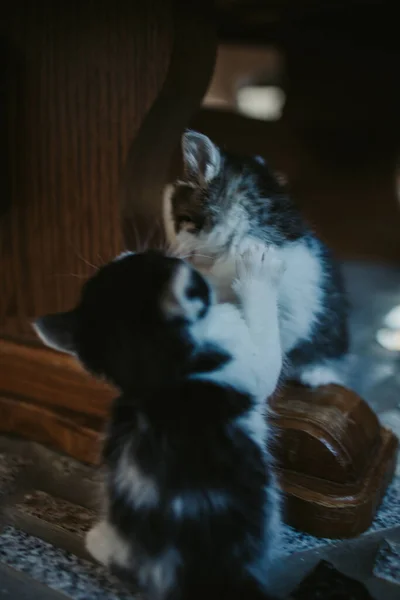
{"x":55,"y":511}
{"x":374,"y":372}
{"x":80,"y":579}
{"x":15,"y":585}
{"x":59,"y":570}
{"x":11,"y":467}
{"x":387,"y":564}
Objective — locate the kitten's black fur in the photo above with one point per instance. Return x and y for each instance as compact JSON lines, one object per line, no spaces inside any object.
{"x":175,"y":431}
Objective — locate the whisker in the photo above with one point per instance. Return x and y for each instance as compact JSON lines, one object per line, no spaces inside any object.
{"x":79,"y":255}
{"x":101,"y":259}
{"x":136,"y":235}
{"x":203,"y":255}
{"x":150,"y":236}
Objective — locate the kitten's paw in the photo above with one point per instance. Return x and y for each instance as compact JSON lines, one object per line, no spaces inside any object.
{"x":97,"y":544}
{"x":249,"y":259}
{"x":273,"y":266}
{"x":260,"y":262}
{"x":106,"y":546}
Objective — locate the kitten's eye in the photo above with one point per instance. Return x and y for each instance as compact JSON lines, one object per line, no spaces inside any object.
{"x":186,"y":223}
{"x":183,"y":217}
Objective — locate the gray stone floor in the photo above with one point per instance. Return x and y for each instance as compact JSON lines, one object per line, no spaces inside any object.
{"x":374,"y":372}
{"x":17,"y":586}
{"x":49,"y":501}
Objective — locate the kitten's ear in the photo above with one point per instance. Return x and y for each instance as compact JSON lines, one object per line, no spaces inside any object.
{"x":281,"y":177}
{"x":201,"y":157}
{"x":57,"y":331}
{"x":186,"y":296}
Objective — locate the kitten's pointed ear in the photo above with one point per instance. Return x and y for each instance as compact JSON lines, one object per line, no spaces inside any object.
{"x":186,"y":296}
{"x":201,"y":157}
{"x":57,"y":331}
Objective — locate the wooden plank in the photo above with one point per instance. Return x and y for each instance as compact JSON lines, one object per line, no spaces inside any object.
{"x":66,"y":431}
{"x":51,"y":379}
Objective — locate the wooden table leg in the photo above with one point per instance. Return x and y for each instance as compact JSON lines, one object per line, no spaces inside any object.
{"x":148,"y":162}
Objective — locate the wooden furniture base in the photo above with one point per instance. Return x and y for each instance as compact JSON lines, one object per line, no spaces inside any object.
{"x":335,"y":460}
{"x":46,"y":397}
{"x":332,"y":510}
{"x":68,"y":431}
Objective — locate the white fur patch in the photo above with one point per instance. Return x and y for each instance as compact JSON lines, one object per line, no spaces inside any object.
{"x":176,"y":302}
{"x":262,"y":567}
{"x":50,"y":341}
{"x":254,"y":425}
{"x":158,"y":575}
{"x":192,"y":505}
{"x":274,"y":519}
{"x":201,"y":157}
{"x":225,"y":327}
{"x":106,"y":546}
{"x":123,"y":255}
{"x":252,"y":339}
{"x":320,"y":375}
{"x":140,"y":490}
{"x":300,"y":296}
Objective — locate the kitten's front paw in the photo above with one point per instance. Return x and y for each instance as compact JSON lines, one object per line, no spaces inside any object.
{"x":273,"y":265}
{"x":260,"y":262}
{"x":249,"y":260}
{"x":97,"y":543}
{"x":106,"y":545}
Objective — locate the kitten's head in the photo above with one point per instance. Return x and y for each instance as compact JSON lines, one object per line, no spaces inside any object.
{"x":131,"y":323}
{"x":220,"y":193}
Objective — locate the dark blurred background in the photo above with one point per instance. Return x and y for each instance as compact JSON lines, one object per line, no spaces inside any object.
{"x":314,"y":87}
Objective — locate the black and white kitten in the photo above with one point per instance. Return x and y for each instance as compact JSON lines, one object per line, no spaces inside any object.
{"x":192,"y":509}
{"x":225,"y":200}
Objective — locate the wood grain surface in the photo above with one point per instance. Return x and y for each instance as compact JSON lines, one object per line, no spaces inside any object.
{"x":82,"y":76}
{"x":51,"y":379}
{"x":65,"y":431}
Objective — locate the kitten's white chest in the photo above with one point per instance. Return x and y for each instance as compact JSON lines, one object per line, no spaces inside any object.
{"x":300,"y":295}
{"x":299,"y":292}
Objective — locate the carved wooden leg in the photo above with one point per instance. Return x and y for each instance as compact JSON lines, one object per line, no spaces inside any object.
{"x":149,"y":157}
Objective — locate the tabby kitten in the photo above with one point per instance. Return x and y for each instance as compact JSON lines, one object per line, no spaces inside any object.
{"x":226,"y":200}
